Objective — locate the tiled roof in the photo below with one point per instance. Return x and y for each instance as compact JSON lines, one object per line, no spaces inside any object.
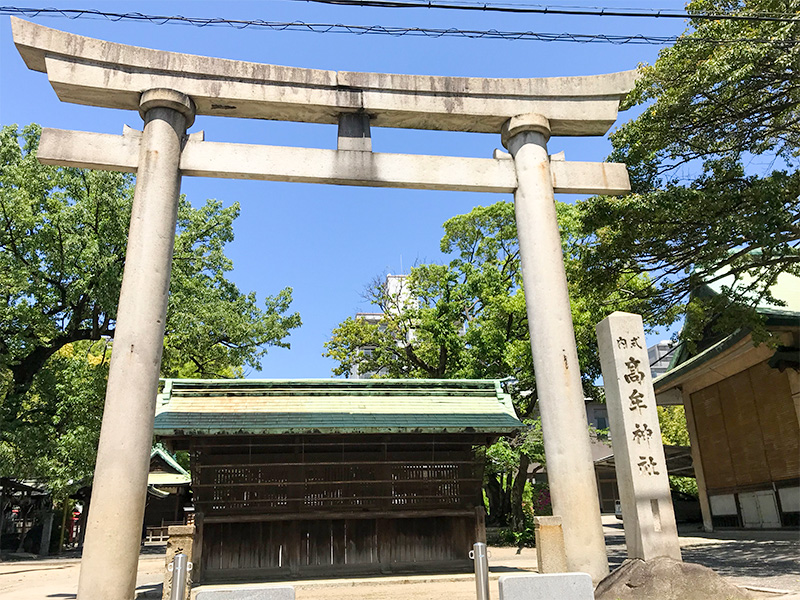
{"x":178,"y":474}
{"x":232,"y":406}
{"x":785,"y":289}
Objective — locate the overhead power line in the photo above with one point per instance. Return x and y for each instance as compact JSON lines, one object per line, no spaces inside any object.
{"x":492,"y":34}
{"x":560,"y":10}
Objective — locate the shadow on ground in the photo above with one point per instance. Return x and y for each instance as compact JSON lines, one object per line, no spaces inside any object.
{"x":747,"y":558}
{"x":753,"y":559}
{"x":503,"y":569}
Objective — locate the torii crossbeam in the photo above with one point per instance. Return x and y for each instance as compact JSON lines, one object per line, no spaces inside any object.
{"x":169,"y":89}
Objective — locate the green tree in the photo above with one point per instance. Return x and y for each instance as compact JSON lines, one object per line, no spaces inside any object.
{"x":63,"y":233}
{"x":713,"y":161}
{"x":672,"y":421}
{"x":467,"y":319}
{"x":55,"y":439}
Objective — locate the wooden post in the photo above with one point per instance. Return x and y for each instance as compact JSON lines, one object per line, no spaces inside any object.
{"x":480,"y":524}
{"x":63,"y":527}
{"x":197,"y":548}
{"x":295,"y":552}
{"x":2,"y":507}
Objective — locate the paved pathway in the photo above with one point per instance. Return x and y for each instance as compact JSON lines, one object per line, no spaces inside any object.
{"x":766,"y":559}
{"x":747,"y":558}
{"x":58,"y":578}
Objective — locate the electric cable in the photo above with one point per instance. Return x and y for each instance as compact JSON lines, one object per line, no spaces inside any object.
{"x":582,"y":38}
{"x":561,"y":10}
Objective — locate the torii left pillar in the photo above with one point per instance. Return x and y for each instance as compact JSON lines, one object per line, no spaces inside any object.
{"x":114,"y":529}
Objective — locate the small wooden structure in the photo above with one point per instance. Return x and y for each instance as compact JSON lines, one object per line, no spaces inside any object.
{"x":26,"y":516}
{"x":334,"y":477}
{"x":167,"y":495}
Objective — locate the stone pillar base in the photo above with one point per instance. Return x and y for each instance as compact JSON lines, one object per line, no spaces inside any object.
{"x":181,"y":539}
{"x":551,"y":556}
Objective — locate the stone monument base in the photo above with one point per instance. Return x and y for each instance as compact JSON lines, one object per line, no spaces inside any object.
{"x":666,"y":579}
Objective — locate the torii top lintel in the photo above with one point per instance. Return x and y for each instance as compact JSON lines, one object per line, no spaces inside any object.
{"x":94,"y":72}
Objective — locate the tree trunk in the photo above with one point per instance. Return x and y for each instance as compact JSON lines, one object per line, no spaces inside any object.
{"x":507,"y":498}
{"x":517,"y":514}
{"x":494,"y":496}
{"x":63,"y":530}
{"x":25,"y":528}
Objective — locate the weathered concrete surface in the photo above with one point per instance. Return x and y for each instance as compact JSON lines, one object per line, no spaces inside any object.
{"x":278,"y":592}
{"x":666,"y":579}
{"x":550,"y":554}
{"x":560,"y":586}
{"x":570,"y":469}
{"x":98,"y":73}
{"x":650,"y":529}
{"x":114,"y":530}
{"x":315,"y":165}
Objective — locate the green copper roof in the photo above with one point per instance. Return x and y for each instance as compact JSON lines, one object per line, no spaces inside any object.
{"x":676,"y":371}
{"x":786,"y":289}
{"x":253,"y":406}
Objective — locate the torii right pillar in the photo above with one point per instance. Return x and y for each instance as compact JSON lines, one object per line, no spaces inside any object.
{"x":570,"y":468}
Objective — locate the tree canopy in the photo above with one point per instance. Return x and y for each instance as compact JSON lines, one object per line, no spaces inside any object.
{"x":63,"y":235}
{"x":467,"y":319}
{"x":714,"y":161}
{"x":55,"y":438}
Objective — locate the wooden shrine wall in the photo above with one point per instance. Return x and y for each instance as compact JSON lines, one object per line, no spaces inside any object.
{"x":748,"y":431}
{"x":281,"y":506}
{"x":335,"y":547}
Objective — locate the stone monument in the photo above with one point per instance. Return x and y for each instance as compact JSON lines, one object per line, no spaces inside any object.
{"x":641,"y":467}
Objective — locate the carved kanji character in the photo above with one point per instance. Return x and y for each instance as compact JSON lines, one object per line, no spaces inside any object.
{"x":647,"y":465}
{"x":636,"y":401}
{"x":642,"y":433}
{"x":634,"y":375}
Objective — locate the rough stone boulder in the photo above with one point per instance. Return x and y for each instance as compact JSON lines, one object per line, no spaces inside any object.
{"x":666,"y":579}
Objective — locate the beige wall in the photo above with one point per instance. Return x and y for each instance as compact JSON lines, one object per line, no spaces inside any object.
{"x":747,"y":429}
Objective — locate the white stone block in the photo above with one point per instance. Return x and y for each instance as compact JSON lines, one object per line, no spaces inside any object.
{"x":277,"y":592}
{"x":553,"y":586}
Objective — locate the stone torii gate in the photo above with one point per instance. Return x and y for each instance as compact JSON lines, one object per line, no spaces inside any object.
{"x":169,"y":89}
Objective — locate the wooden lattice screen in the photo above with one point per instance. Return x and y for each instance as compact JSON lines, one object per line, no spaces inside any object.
{"x":310,"y":474}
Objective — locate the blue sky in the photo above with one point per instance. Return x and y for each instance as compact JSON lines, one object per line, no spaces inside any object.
{"x":328,"y":242}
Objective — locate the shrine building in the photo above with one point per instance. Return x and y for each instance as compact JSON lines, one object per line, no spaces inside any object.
{"x":334,"y":477}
